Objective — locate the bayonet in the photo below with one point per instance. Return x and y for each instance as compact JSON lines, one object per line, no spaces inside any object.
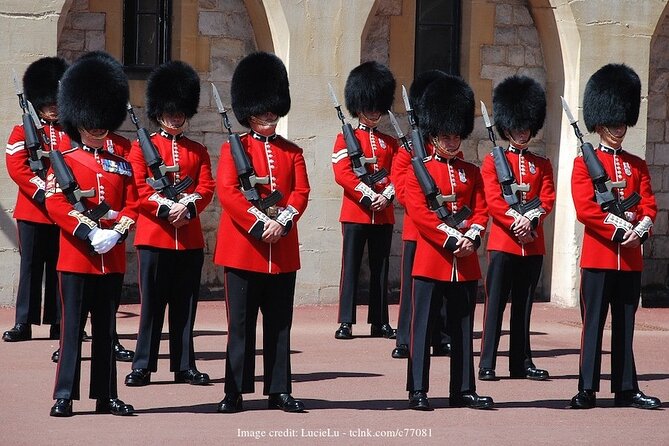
{"x":221,"y":108}
{"x":488,"y":124}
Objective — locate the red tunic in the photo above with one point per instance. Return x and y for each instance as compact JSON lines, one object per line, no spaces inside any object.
{"x":118,"y":145}
{"x":283,"y":162}
{"x":117,"y":189}
{"x":598,"y":250}
{"x":385,"y":148}
{"x":528,"y":168}
{"x":432,"y":259}
{"x":401,"y":165}
{"x":16,"y":159}
{"x":153,"y":228}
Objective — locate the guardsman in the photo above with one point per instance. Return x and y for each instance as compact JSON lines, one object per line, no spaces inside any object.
{"x":91,"y":262}
{"x":446,"y":266}
{"x":257,"y":240}
{"x":367,"y":214}
{"x":611,"y":254}
{"x":516,"y":245}
{"x":38,"y":236}
{"x":169,"y":239}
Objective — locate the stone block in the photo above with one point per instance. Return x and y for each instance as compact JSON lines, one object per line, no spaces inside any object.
{"x":662,"y":199}
{"x":534,"y":57}
{"x":505,"y":35}
{"x":88,"y":21}
{"x":538,"y":74}
{"x":232,"y":6}
{"x":661,"y":226}
{"x":493,"y":55}
{"x":95,"y":41}
{"x":389,"y":7}
{"x":208,"y":4}
{"x":516,"y":56}
{"x":376,"y":45}
{"x":497,"y":73}
{"x":79,"y":5}
{"x":72,"y":40}
{"x":503,"y":14}
{"x":661,"y":155}
{"x":659,"y":82}
{"x":665,"y":180}
{"x":655,"y":132}
{"x":528,"y":35}
{"x":521,"y":16}
{"x":657,"y":106}
{"x":656,"y":177}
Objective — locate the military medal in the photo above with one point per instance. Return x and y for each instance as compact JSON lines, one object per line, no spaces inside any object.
{"x":533,"y":169}
{"x":382,"y":143}
{"x":461,"y":174}
{"x":627,"y":168}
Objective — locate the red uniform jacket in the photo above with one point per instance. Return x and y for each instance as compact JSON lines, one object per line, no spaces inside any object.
{"x":528,"y":168}
{"x":385,"y":148}
{"x":401,"y":165}
{"x":432,"y":259}
{"x":153,"y":228}
{"x":110,"y":177}
{"x":118,"y":145}
{"x":238,"y":244}
{"x":598,"y":250}
{"x":28,"y":205}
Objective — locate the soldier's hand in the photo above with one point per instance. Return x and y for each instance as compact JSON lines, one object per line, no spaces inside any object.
{"x":178,"y":215}
{"x":522,"y":227}
{"x":273,"y":232}
{"x":529,"y":238}
{"x":465,"y":247}
{"x":631,"y":240}
{"x":379,"y":203}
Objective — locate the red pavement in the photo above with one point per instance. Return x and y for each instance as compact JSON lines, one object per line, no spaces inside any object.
{"x":352,"y":389}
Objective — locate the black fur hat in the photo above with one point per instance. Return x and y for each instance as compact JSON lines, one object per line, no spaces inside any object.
{"x":259,"y":85}
{"x":173,"y":87}
{"x":370,"y":87}
{"x":519,"y":103}
{"x":419,"y":85}
{"x":612,"y":97}
{"x":93,"y":94}
{"x":446,"y":107}
{"x":40,"y":81}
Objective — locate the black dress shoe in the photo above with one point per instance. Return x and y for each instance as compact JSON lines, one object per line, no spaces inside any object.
{"x":400,"y":352}
{"x":487,"y":375}
{"x":138,"y":377}
{"x":636,"y":398}
{"x":531,"y":373}
{"x":344,"y":331}
{"x":471,"y":400}
{"x":20,"y":332}
{"x":441,"y":350}
{"x":62,"y":408}
{"x":418,"y":401}
{"x":114,"y":406}
{"x":54,"y":332}
{"x":55,"y":356}
{"x":383,"y":331}
{"x":584,"y":399}
{"x":232,"y":403}
{"x":285,"y":402}
{"x":122,"y":354}
{"x":191,"y":376}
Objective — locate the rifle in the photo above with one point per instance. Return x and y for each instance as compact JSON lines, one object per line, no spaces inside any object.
{"x":416,"y":136}
{"x":245,"y":173}
{"x":68,"y":184}
{"x":354,"y":151}
{"x":507,"y":181}
{"x":435,"y":200}
{"x":32,"y":130}
{"x":604,"y":195}
{"x":160,"y":181}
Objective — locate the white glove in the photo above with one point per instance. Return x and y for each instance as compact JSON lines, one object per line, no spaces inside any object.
{"x":104,"y":240}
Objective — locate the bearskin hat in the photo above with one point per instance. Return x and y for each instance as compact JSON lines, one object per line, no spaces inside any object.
{"x":40,"y":81}
{"x":446,"y":108}
{"x":419,"y":85}
{"x":93,"y":94}
{"x":259,"y":85}
{"x":370,"y":87}
{"x":612,"y":97}
{"x":173,"y":87}
{"x":519,"y":103}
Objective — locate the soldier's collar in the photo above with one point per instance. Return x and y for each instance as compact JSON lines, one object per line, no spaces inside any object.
{"x":610,"y":150}
{"x":366,"y":128}
{"x":94,"y":150}
{"x":441,"y":159}
{"x":263,"y":138}
{"x":164,"y":134}
{"x":516,"y":150}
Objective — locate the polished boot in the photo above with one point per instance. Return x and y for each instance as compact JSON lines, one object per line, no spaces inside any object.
{"x":55,"y":356}
{"x":231,"y":403}
{"x":285,"y":402}
{"x":191,"y":376}
{"x":344,"y":331}
{"x":441,"y":350}
{"x":138,"y":378}
{"x":584,"y":399}
{"x":62,"y":408}
{"x":54,"y":332}
{"x":487,"y":375}
{"x":532,"y":373}
{"x":113,"y":406}
{"x":383,"y":331}
{"x":20,"y":332}
{"x":471,"y":400}
{"x":122,"y":354}
{"x":636,"y":398}
{"x":400,"y":352}
{"x":418,"y":401}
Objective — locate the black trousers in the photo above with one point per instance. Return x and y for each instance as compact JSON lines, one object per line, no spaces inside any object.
{"x":246,"y":292}
{"x":428,"y":296}
{"x":439,"y":335}
{"x":38,"y":244}
{"x":378,"y":239}
{"x":167,"y":277}
{"x":83,"y":294}
{"x":601,"y":288}
{"x":509,"y":274}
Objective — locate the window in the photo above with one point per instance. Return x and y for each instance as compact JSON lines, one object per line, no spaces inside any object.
{"x":437,"y":36}
{"x":146,"y":35}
